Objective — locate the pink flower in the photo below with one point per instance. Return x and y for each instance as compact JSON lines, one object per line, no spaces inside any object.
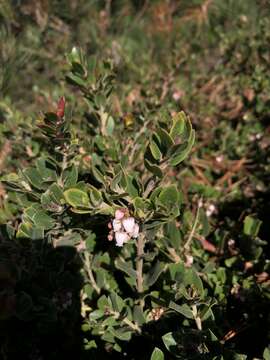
{"x":135,"y":233}
{"x":121,"y":238}
{"x":110,"y":237}
{"x":117,"y":225}
{"x":119,"y":214}
{"x":129,"y":224}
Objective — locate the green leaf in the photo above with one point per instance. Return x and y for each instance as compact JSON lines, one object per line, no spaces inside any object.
{"x":41,"y":219}
{"x":98,"y":175}
{"x":110,"y":125}
{"x":153,"y":274}
{"x":56,"y":193}
{"x":33,"y":176}
{"x":155,"y":150}
{"x":24,"y":230}
{"x":139,"y":207}
{"x":155,"y":193}
{"x":70,"y":176}
{"x":252,"y":226}
{"x":96,"y":314}
{"x":182,"y":309}
{"x":77,"y":198}
{"x":169,"y":341}
{"x":165,"y":138}
{"x":178,"y":127}
{"x":68,"y":239}
{"x":132,"y":187}
{"x":138,"y":315}
{"x":192,"y":278}
{"x":239,"y":357}
{"x":117,"y":302}
{"x":266,"y":354}
{"x":121,"y":333}
{"x":157,"y":354}
{"x":75,"y":55}
{"x":76,"y":80}
{"x":126,"y":268}
{"x":90,"y":242}
{"x":95,"y":196}
{"x":103,"y":303}
{"x":46,"y":174}
{"x":91,"y":344}
{"x":183,"y":151}
{"x":154,"y":169}
{"x":212,"y":336}
{"x":169,"y":197}
{"x":229,"y":262}
{"x":173,"y":234}
{"x":177,"y":271}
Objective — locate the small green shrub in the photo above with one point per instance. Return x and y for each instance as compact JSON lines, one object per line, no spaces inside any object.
{"x":121,"y":236}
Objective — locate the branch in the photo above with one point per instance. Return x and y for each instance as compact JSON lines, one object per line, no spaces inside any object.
{"x":90,"y":273}
{"x":191,"y":235}
{"x":139,"y":266}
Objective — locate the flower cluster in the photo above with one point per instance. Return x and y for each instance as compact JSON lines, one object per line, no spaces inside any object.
{"x":123,"y":227}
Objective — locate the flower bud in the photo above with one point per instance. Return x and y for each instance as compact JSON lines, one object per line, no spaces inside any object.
{"x":117,"y":225}
{"x":121,"y":238}
{"x":110,"y":237}
{"x":119,"y":214}
{"x":129,"y":224}
{"x":61,"y":107}
{"x":136,"y":230}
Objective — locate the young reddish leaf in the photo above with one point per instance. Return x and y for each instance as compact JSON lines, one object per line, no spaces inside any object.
{"x":61,"y":107}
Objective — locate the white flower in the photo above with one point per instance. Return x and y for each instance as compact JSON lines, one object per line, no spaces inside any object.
{"x":117,"y":225}
{"x":189,"y":260}
{"x":135,"y":233}
{"x":119,"y":214}
{"x":129,"y":224}
{"x":211,"y":209}
{"x":258,"y":136}
{"x":219,"y":158}
{"x":121,"y":238}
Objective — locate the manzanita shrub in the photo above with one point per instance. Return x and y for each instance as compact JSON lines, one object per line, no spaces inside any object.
{"x":114,"y":194}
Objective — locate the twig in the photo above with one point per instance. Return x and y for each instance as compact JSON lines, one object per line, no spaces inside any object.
{"x":4,"y":152}
{"x":90,"y":273}
{"x":201,"y":175}
{"x":139,"y":266}
{"x":131,"y":149}
{"x":173,"y":255}
{"x":234,"y":169}
{"x":127,"y":321}
{"x":196,"y":317}
{"x":187,"y":244}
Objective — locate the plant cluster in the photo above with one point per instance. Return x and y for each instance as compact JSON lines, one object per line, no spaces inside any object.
{"x":124,"y":235}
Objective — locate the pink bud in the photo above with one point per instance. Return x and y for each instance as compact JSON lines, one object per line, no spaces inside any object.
{"x":119,"y":214}
{"x":110,"y":237}
{"x":61,"y":107}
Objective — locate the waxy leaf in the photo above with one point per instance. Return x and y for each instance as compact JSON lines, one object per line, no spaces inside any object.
{"x":77,"y":198}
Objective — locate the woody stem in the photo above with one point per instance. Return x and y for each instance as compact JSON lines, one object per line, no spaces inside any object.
{"x":139,"y":266}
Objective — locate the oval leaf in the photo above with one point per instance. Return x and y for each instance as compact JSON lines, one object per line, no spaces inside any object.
{"x":77,"y":198}
{"x":157,"y":354}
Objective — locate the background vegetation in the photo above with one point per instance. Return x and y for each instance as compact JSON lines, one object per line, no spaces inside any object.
{"x":208,"y":58}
